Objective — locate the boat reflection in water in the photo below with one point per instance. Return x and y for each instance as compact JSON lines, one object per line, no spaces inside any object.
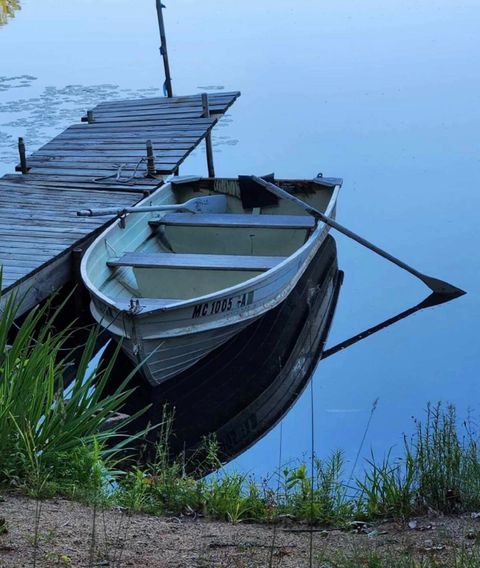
{"x":242,"y":389}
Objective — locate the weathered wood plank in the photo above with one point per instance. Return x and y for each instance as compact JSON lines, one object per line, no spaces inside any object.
{"x":71,"y":161}
{"x":107,"y":146}
{"x":27,"y":222}
{"x":158,"y":114}
{"x":94,"y":173}
{"x":223,"y":100}
{"x":155,"y":107}
{"x":167,"y":134}
{"x":162,"y":153}
{"x":25,"y":253}
{"x":217,"y":97}
{"x":52,"y":186}
{"x":56,"y":206}
{"x":55,"y":233}
{"x":43,"y":245}
{"x":24,"y":192}
{"x":58,"y":181}
{"x":156,"y":125}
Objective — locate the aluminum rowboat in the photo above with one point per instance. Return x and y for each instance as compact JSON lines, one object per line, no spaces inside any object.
{"x":175,"y":284}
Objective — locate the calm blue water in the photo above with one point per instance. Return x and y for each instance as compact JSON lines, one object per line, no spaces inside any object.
{"x":384,"y":95}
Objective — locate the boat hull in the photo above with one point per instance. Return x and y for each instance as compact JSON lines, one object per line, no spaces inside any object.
{"x":163,"y":358}
{"x":167,"y":342}
{"x":169,"y":336}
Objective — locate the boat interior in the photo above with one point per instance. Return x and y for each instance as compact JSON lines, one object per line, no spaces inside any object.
{"x":178,"y":254}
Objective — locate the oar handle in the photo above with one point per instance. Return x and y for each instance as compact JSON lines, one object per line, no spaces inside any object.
{"x":125,"y":210}
{"x":436,"y":285}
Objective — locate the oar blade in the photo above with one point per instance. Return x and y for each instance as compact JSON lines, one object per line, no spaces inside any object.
{"x":443,"y":288}
{"x":436,"y":285}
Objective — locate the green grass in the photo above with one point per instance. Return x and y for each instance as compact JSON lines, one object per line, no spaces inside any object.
{"x":439,"y":470}
{"x":52,"y":439}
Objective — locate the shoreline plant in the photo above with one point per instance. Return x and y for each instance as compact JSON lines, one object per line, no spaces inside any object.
{"x":54,"y":438}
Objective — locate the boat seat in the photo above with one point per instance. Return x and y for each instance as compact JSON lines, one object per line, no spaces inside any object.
{"x":196,"y":261}
{"x":236,"y":220}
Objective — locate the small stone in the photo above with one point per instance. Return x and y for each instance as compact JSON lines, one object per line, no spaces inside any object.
{"x":412,"y":525}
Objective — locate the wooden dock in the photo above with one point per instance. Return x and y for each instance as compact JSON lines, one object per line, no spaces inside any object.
{"x":100,"y":162}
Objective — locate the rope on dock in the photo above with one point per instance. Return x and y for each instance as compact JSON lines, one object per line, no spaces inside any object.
{"x":117,"y":176}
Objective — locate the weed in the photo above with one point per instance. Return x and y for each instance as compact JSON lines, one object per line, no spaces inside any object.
{"x":3,"y":526}
{"x":50,"y":438}
{"x":459,"y":558}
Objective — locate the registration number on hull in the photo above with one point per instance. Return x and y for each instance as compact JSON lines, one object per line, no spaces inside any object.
{"x":221,"y":306}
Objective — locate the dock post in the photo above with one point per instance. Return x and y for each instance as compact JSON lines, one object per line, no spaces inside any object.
{"x":163,"y":49}
{"x":208,"y":137}
{"x":151,"y":171}
{"x":89,"y":116}
{"x":23,"y":158}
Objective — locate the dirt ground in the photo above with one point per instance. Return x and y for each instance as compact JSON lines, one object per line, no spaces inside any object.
{"x":65,"y":539}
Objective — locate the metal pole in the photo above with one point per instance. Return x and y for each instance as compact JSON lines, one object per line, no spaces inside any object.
{"x":163,"y":49}
{"x":208,"y":137}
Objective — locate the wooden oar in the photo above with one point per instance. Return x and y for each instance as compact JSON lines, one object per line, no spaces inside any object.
{"x":206,"y":204}
{"x":436,"y":285}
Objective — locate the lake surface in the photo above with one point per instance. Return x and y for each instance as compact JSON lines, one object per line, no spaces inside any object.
{"x":383,"y":95}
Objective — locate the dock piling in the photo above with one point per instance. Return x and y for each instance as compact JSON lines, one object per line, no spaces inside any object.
{"x":23,"y":158}
{"x":163,"y":49}
{"x":151,"y":170}
{"x":89,"y":116}
{"x":208,"y":137}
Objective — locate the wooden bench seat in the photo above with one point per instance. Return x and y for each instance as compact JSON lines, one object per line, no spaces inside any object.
{"x":236,"y":220}
{"x":196,"y":261}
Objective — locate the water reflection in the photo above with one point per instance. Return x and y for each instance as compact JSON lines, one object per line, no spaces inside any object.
{"x":7,"y":10}
{"x":39,"y":118}
{"x":430,"y":301}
